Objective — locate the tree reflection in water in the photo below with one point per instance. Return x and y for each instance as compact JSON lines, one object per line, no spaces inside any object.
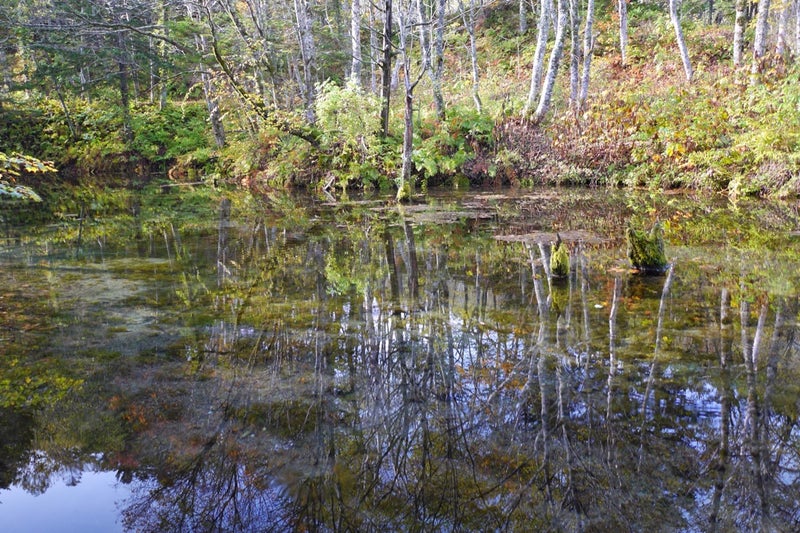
{"x":381,"y":373}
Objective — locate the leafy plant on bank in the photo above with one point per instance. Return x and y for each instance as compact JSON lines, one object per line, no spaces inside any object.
{"x":349,"y":119}
{"x":444,"y":150}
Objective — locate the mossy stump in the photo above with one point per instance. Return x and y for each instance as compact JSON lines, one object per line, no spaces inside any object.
{"x":404,"y":192}
{"x":646,"y":250}
{"x":559,"y":259}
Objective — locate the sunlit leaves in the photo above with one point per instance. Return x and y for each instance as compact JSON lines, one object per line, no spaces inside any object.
{"x":12,"y":166}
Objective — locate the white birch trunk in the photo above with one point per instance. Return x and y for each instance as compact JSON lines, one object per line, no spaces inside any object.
{"x":523,"y":18}
{"x":422,"y":35}
{"x":762,"y":28}
{"x":552,"y":67}
{"x":308,"y":54}
{"x":469,"y":24}
{"x":212,"y":105}
{"x":437,"y":69}
{"x":406,"y":20}
{"x":162,"y":54}
{"x":355,"y":42}
{"x":622,"y":7}
{"x":386,"y":66}
{"x":374,"y":49}
{"x":783,"y":23}
{"x":676,"y":23}
{"x":574,"y":54}
{"x":797,"y":28}
{"x":738,"y":32}
{"x":545,"y":13}
{"x":588,"y":50}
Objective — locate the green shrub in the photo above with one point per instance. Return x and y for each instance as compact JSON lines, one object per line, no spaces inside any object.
{"x":165,"y":134}
{"x":350,"y":121}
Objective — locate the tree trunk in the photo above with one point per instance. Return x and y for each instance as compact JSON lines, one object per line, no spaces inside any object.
{"x":760,"y":40}
{"x":797,"y":29}
{"x":738,"y":32}
{"x":783,"y":23}
{"x":676,"y":23}
{"x":523,"y":18}
{"x":5,"y":68}
{"x":406,"y":187}
{"x":588,"y":50}
{"x":308,"y":54}
{"x":124,"y":90}
{"x":423,"y":26}
{"x":162,"y":54}
{"x":545,"y":13}
{"x":374,"y":47}
{"x":622,"y":7}
{"x":212,"y":106}
{"x":280,"y":121}
{"x":726,"y":398}
{"x":574,"y":54}
{"x":552,"y":67}
{"x":406,"y":21}
{"x":437,"y":69}
{"x":469,"y":24}
{"x":355,"y":42}
{"x":386,"y":67}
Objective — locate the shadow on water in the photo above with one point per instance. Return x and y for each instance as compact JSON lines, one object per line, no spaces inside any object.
{"x":287,"y":364}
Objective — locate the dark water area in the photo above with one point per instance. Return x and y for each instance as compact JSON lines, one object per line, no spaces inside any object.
{"x":294,"y":363}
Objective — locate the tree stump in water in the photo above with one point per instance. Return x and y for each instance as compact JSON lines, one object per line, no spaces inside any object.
{"x":646,"y":250}
{"x":559,"y":259}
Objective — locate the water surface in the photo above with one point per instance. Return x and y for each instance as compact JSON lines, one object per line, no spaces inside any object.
{"x":279,"y":363}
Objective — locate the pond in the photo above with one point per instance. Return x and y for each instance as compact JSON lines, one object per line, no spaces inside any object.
{"x":233,"y":363}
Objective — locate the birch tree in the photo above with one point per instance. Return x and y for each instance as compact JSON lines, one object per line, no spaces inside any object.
{"x":194,"y":13}
{"x":355,"y":42}
{"x":374,"y":49}
{"x":622,"y":8}
{"x":386,"y":66}
{"x":308,"y":54}
{"x":552,"y":67}
{"x":468,"y":18}
{"x":676,"y":23}
{"x":543,"y":33}
{"x":159,"y":82}
{"x":588,"y":50}
{"x":738,"y":32}
{"x":406,"y":20}
{"x":783,"y":23}
{"x":574,"y":54}
{"x":760,"y":40}
{"x":797,"y":28}
{"x":437,"y":68}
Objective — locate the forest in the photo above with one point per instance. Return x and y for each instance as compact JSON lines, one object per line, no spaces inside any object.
{"x":401,"y":95}
{"x":403,"y":265}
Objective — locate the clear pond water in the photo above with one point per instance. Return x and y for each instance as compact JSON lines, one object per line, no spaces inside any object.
{"x":294,"y":363}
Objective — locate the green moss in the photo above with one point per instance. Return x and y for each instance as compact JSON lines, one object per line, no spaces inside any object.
{"x":559,"y":260}
{"x":404,"y":191}
{"x":646,"y":250}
